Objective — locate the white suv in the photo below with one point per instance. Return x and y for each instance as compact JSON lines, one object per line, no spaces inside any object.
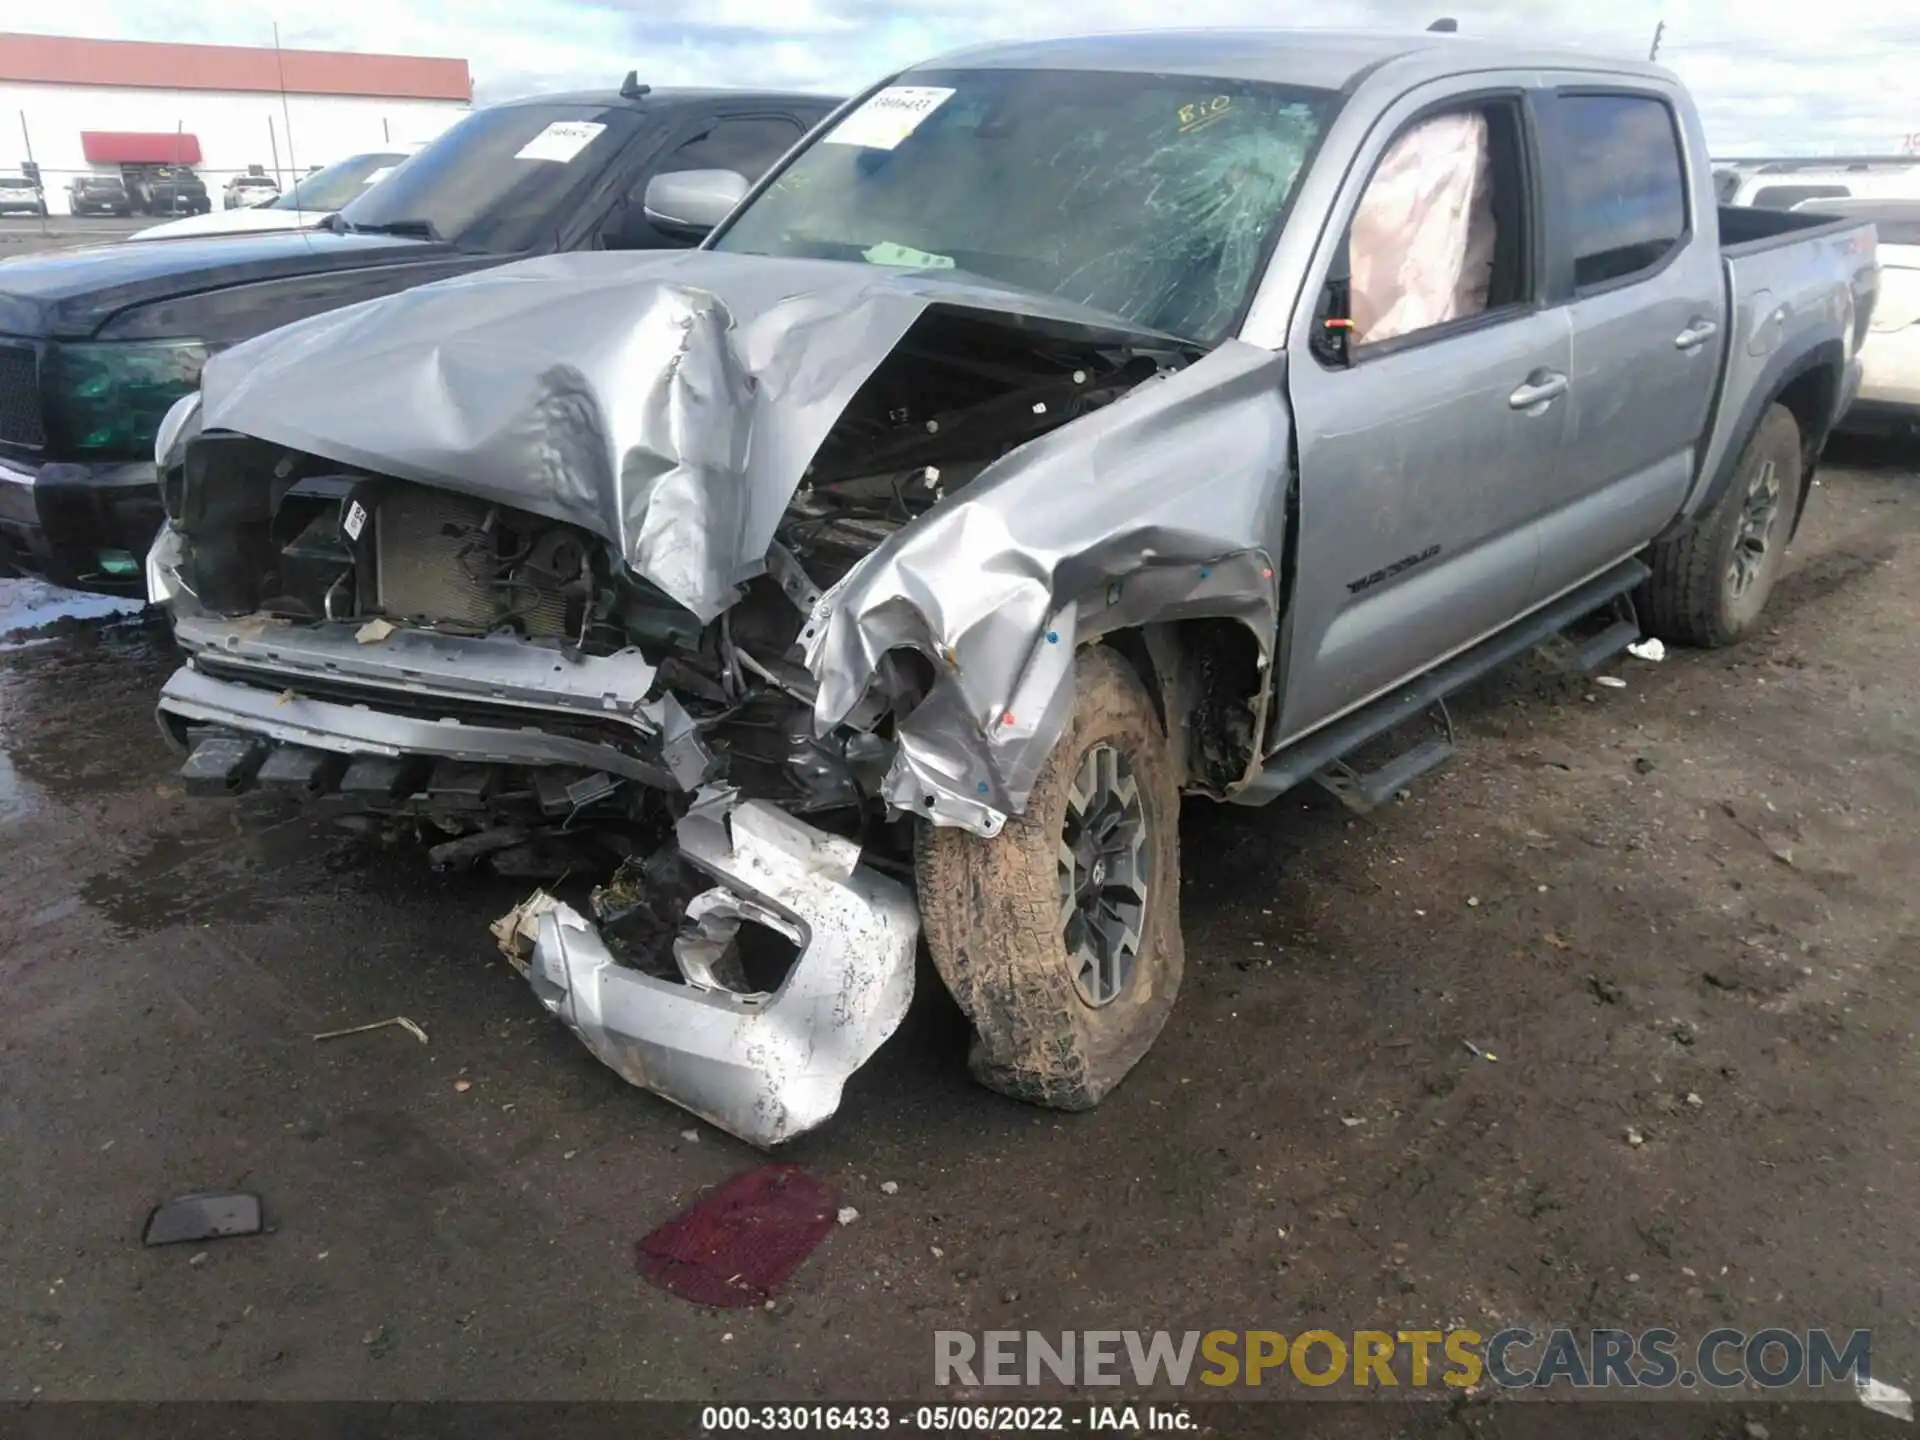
{"x":247,"y":190}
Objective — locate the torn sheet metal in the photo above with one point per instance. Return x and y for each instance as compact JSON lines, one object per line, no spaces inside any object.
{"x":1168,"y":504}
{"x":667,"y":402}
{"x":764,"y":1067}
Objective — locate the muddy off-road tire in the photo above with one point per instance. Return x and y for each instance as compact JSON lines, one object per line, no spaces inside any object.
{"x":1711,"y":581}
{"x":1067,"y":981}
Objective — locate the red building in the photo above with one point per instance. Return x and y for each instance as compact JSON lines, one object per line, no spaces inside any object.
{"x":118,"y":105}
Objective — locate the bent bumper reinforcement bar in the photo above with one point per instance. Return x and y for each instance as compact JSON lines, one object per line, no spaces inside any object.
{"x":290,"y":719}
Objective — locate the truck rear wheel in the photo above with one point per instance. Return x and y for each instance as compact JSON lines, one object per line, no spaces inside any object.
{"x":1711,"y":581}
{"x":1060,"y":936}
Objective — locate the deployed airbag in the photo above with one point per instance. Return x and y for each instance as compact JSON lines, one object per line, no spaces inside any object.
{"x":1423,"y":236}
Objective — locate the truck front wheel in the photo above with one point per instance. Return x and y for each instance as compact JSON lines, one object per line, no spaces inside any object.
{"x":1060,"y":936}
{"x":1711,"y":581}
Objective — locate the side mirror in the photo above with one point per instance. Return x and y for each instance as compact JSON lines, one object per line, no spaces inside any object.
{"x":693,"y":201}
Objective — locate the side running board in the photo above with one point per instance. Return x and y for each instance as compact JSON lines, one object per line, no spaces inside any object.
{"x":1325,"y":749}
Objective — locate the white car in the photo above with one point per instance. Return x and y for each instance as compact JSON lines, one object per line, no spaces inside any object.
{"x":21,"y":194}
{"x":245,"y":192}
{"x":1791,"y":185}
{"x":1889,"y":401}
{"x":319,"y":195}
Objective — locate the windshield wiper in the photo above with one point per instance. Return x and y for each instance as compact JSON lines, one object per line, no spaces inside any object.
{"x":419,"y":229}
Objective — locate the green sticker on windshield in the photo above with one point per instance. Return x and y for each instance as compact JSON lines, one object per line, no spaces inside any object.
{"x":905,"y":257}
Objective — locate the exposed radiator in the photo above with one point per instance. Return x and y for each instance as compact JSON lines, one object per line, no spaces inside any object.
{"x":437,"y":563}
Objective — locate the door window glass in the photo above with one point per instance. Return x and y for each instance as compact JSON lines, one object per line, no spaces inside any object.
{"x":1626,"y":187}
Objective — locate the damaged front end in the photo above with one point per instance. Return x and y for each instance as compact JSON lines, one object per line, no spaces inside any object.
{"x":570,"y":567}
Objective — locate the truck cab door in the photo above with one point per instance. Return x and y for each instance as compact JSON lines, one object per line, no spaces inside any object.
{"x":1637,"y":266}
{"x":1425,"y":437}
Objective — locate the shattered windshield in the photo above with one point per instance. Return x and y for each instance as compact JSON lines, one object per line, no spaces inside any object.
{"x":1151,"y":197}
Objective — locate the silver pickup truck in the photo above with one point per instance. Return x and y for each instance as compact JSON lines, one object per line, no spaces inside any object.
{"x":1060,"y":429}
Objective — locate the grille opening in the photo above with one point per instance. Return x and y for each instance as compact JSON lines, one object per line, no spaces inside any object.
{"x":460,"y":564}
{"x":20,"y":416}
{"x":341,"y":547}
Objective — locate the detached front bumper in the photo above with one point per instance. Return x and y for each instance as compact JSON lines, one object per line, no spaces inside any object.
{"x":83,"y":526}
{"x":764,"y":1067}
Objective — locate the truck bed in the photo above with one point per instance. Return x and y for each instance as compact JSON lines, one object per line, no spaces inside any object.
{"x":1745,"y":230}
{"x":1798,"y":285}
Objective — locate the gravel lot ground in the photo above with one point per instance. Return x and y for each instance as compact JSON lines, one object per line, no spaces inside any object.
{"x":23,"y":235}
{"x":1685,"y":908}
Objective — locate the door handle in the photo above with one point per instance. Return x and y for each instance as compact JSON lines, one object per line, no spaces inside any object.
{"x":1541,"y":387}
{"x":1695,"y":335}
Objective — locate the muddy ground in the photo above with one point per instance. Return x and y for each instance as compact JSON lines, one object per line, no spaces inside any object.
{"x":1685,"y":907}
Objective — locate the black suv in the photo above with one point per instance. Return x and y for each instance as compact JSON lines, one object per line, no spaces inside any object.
{"x":172,"y":190}
{"x":99,"y":195}
{"x":97,"y":344}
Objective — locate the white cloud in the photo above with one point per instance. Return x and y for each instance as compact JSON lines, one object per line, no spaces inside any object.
{"x":1830,"y":77}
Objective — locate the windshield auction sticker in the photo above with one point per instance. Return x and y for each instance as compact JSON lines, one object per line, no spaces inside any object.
{"x":889,"y":117}
{"x":562,"y":140}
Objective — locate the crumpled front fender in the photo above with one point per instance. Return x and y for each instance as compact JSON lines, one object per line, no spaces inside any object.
{"x":1169,"y":504}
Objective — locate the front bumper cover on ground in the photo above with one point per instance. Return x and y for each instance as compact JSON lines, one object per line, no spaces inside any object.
{"x":764,"y":1067}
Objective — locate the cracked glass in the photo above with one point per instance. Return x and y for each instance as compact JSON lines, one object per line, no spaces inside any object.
{"x":1149,"y":197}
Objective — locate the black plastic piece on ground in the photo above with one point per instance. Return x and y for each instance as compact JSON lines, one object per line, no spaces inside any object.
{"x":461,"y":854}
{"x":223,"y":764}
{"x":203,"y":1217}
{"x":295,"y":767}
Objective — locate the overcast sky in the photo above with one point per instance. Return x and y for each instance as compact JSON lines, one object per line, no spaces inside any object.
{"x":1806,"y":78}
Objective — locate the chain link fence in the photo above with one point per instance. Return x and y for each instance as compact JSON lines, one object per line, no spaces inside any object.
{"x":149,"y":188}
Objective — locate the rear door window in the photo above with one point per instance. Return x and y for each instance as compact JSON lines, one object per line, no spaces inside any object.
{"x":1624,"y":184}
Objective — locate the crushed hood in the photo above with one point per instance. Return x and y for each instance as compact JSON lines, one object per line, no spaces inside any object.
{"x":667,"y":402}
